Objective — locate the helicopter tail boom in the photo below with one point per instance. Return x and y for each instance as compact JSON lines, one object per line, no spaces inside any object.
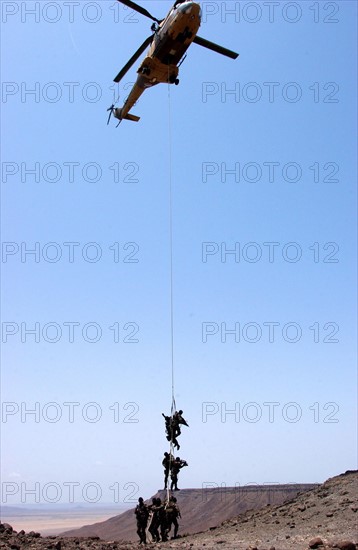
{"x":118,"y":113}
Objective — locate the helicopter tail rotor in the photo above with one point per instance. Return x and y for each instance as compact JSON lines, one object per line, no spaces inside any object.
{"x":118,"y":115}
{"x":111,"y":110}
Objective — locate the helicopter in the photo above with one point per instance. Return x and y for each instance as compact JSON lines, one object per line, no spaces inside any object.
{"x":168,"y":43}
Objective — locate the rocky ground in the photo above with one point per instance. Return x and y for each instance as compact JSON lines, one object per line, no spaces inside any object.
{"x":323,"y":518}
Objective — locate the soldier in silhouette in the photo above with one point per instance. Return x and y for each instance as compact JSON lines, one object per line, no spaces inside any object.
{"x":162,"y":518}
{"x":142,"y":513}
{"x":172,"y":513}
{"x":155,"y":521}
{"x":168,"y":425}
{"x":170,"y":430}
{"x":167,"y":460}
{"x":175,"y":468}
{"x":172,"y":427}
{"x":178,"y":419}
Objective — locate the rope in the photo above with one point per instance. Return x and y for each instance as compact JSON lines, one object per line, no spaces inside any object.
{"x":173,"y":406}
{"x":171,"y":449}
{"x":171,"y":241}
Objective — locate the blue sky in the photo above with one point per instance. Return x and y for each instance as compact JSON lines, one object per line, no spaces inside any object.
{"x":263,"y":163}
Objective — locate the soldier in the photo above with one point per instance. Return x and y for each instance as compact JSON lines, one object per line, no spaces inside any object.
{"x":173,"y":513}
{"x":155,"y":522}
{"x":178,"y":419}
{"x":175,"y":442}
{"x":176,"y":466}
{"x":162,"y":518}
{"x":167,"y":460}
{"x":170,"y":430}
{"x":142,"y":513}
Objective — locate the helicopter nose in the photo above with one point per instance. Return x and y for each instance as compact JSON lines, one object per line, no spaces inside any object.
{"x":190,"y":7}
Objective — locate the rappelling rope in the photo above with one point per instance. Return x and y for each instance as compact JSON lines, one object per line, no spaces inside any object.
{"x":171,"y":240}
{"x":173,"y":406}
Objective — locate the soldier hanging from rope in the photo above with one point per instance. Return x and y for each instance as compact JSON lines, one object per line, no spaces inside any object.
{"x":172,"y":426}
{"x":177,"y":420}
{"x":169,"y":428}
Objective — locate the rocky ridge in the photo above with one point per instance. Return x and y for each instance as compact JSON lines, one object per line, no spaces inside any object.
{"x":200,"y":509}
{"x":323,"y":518}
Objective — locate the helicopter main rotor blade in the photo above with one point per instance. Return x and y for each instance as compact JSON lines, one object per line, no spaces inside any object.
{"x":133,"y":59}
{"x":215,"y":47}
{"x":139,"y":9}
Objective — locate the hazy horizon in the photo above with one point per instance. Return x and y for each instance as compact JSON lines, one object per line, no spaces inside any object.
{"x":49,"y":521}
